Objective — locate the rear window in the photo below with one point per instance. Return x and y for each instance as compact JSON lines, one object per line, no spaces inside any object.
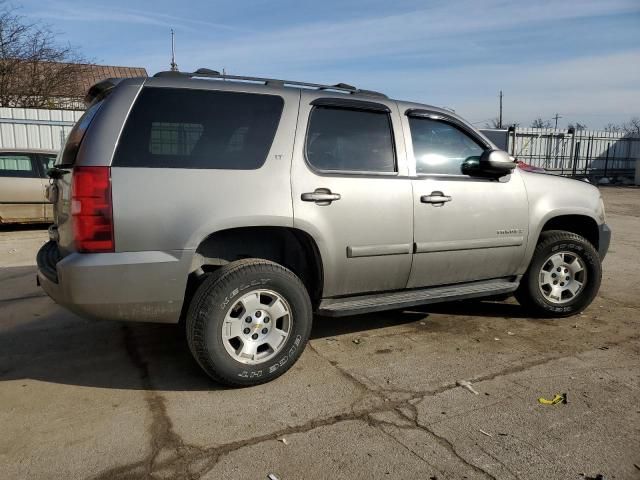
{"x":70,"y":151}
{"x":181,"y":128}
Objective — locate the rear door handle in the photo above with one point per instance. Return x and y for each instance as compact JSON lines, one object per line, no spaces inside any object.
{"x":436,"y":198}
{"x":322,"y":196}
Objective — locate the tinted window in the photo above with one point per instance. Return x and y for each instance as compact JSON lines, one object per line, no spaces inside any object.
{"x":76,"y":135}
{"x":180,"y":128}
{"x":47,"y":162}
{"x":16,"y":165}
{"x":440,"y":147}
{"x":350,"y":140}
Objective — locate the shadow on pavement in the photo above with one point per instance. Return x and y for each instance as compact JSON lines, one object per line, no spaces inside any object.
{"x":42,"y":341}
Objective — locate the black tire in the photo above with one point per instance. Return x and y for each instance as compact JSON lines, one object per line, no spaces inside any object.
{"x":529,"y":294}
{"x":218,"y":293}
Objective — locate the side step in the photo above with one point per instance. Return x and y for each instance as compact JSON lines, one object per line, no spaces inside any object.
{"x":338,"y":307}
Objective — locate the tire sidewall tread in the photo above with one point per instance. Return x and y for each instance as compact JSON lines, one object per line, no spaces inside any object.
{"x":213,"y":299}
{"x":529,"y":295}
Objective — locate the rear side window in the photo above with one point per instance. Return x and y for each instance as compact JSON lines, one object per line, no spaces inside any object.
{"x":182,"y":128}
{"x":16,"y":165}
{"x":340,"y":139}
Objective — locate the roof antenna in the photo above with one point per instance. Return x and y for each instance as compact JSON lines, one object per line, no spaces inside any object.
{"x":174,"y":65}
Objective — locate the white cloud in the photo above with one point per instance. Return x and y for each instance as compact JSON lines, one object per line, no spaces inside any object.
{"x":430,"y":31}
{"x":443,"y":53}
{"x":90,"y":14}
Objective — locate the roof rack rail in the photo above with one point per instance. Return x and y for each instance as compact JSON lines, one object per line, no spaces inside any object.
{"x":207,"y":73}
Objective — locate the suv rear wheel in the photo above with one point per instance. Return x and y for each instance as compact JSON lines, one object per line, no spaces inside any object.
{"x":563,"y":277}
{"x":249,"y":322}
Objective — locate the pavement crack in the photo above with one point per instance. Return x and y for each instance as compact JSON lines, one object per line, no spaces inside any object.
{"x":378,"y":425}
{"x":171,"y":457}
{"x":359,"y":383}
{"x":168,"y":452}
{"x":443,"y":441}
{"x":500,"y":462}
{"x":24,"y":297}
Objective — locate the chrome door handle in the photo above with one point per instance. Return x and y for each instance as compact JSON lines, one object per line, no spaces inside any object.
{"x":437,"y":198}
{"x":322,"y":196}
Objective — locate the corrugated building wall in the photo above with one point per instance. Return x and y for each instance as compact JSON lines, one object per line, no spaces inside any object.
{"x":35,"y":128}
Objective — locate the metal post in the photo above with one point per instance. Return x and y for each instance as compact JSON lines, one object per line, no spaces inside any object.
{"x":613,"y":157}
{"x":500,"y":121}
{"x":511,"y":140}
{"x":606,"y":160}
{"x":572,"y":132}
{"x":589,"y":150}
{"x":575,"y":159}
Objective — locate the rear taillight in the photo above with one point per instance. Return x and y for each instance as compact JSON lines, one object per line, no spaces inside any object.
{"x":92,"y":210}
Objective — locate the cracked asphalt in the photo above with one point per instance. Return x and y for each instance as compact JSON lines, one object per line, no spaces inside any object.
{"x":106,"y":400}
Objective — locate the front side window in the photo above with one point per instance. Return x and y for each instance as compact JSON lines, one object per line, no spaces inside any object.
{"x":440,"y":147}
{"x":340,"y":139}
{"x":16,"y":165}
{"x":184,"y":128}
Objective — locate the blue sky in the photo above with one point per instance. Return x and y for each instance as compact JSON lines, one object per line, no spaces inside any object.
{"x":580,"y":59}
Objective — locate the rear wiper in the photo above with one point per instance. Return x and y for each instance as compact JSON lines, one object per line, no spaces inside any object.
{"x":57,"y":172}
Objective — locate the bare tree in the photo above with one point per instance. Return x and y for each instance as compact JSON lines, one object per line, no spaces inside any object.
{"x":495,"y":123}
{"x":540,"y":123}
{"x":35,"y":71}
{"x":632,"y":127}
{"x":577,"y":126}
{"x":612,"y":128}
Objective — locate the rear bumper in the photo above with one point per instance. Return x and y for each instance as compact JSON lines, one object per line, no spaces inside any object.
{"x":138,"y":286}
{"x":604,"y":240}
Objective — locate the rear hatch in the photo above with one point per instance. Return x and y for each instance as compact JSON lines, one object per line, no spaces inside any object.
{"x":80,"y":197}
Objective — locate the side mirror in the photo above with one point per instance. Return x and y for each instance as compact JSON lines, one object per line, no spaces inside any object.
{"x":492,"y":163}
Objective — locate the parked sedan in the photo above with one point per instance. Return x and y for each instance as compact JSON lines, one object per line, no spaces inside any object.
{"x":23,"y":181}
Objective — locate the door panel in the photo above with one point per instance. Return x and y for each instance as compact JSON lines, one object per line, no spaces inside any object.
{"x":21,"y":188}
{"x":364,"y":236}
{"x":465,"y":228}
{"x":481,"y":233}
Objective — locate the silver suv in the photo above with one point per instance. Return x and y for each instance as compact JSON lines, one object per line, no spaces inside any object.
{"x":240,"y":206}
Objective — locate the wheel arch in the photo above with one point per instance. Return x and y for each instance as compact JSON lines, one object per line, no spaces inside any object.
{"x":581,"y":222}
{"x":290,"y":247}
{"x":583,"y":225}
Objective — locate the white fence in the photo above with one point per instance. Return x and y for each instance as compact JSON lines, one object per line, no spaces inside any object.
{"x":586,"y":153}
{"x":35,"y":128}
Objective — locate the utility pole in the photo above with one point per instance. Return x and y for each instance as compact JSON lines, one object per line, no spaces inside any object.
{"x":500,"y":118}
{"x":556,"y":117}
{"x":174,"y":65}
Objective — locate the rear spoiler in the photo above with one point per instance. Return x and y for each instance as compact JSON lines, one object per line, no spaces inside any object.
{"x":100,"y":90}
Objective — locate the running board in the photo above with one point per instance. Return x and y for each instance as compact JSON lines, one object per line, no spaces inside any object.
{"x":338,"y":307}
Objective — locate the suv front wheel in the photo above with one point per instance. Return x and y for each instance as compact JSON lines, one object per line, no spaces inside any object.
{"x":249,"y":322}
{"x":563,"y":277}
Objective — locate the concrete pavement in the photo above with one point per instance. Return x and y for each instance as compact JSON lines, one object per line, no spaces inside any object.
{"x":108,"y":400}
